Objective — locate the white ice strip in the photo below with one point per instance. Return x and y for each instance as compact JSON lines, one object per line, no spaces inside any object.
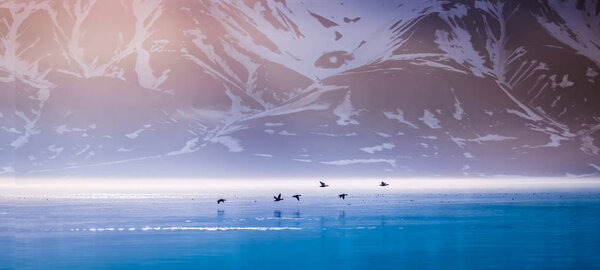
{"x":186,"y":228}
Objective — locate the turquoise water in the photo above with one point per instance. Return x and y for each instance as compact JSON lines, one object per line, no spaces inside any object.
{"x":402,"y":231}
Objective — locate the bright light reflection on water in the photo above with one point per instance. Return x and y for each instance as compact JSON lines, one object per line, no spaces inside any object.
{"x":365,"y":231}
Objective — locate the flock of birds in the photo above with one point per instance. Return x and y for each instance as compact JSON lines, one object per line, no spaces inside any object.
{"x":297,"y":196}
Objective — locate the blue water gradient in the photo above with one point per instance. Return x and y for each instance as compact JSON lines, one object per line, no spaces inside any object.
{"x":399,"y":231}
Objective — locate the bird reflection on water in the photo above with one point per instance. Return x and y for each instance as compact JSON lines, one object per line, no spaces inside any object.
{"x":400,"y":231}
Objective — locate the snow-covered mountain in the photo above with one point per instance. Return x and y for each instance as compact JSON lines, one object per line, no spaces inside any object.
{"x":299,"y":88}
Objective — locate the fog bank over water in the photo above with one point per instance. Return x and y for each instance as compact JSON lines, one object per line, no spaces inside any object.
{"x":136,"y":188}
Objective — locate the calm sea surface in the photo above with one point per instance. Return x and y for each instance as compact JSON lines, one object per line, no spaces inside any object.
{"x":369,"y":231}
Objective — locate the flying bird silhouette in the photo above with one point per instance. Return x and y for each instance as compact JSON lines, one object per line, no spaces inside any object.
{"x":323,"y":184}
{"x":297,"y":196}
{"x":220,"y":201}
{"x":383,"y":184}
{"x":343,"y":196}
{"x":278,"y":198}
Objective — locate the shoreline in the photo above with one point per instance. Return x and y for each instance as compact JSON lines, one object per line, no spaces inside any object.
{"x":44,"y":187}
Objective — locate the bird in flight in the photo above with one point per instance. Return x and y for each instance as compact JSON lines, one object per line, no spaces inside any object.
{"x":343,"y":196}
{"x":220,"y":201}
{"x":297,"y":196}
{"x":383,"y":184}
{"x":278,"y":198}
{"x":323,"y":184}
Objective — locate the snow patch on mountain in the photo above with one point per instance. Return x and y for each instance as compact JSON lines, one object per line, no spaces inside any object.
{"x":481,"y":139}
{"x":262,"y":155}
{"x":457,"y":44}
{"x":345,"y":112}
{"x":63,"y":129}
{"x":56,"y":150}
{"x":378,"y":148}
{"x":564,"y":83}
{"x":334,"y":134}
{"x":233,"y":145}
{"x":286,"y":133}
{"x":458,"y":110}
{"x":430,"y":120}
{"x":83,"y":150}
{"x":588,"y":147}
{"x":189,"y":147}
{"x":590,"y":72}
{"x":399,"y":116}
{"x":576,"y":27}
{"x":344,"y":162}
{"x":385,"y":135}
{"x":555,"y":140}
{"x":136,"y":134}
{"x":7,"y":170}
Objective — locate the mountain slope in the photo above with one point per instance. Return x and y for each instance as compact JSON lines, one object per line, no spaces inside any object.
{"x":213,"y":88}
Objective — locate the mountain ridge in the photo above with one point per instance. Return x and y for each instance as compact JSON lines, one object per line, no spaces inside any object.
{"x":406,"y":88}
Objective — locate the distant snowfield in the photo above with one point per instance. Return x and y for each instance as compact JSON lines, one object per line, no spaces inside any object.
{"x":164,"y":188}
